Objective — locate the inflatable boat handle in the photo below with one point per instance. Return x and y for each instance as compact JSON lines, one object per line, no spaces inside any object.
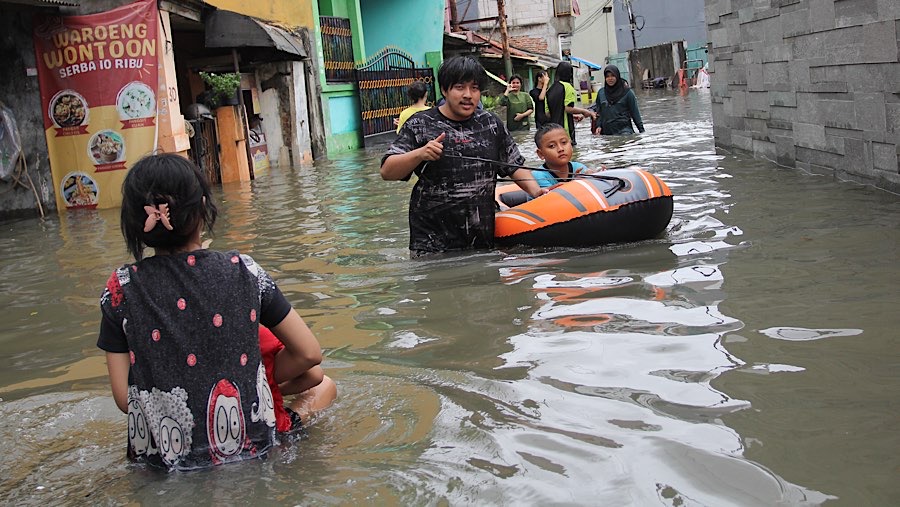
{"x":613,"y":190}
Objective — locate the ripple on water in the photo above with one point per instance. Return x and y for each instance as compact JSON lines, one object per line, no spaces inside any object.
{"x":611,"y":376}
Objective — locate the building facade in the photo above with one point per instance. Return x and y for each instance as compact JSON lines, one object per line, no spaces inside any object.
{"x":193,"y":37}
{"x":594,"y":34}
{"x":298,"y":97}
{"x":541,"y":27}
{"x":658,"y":22}
{"x":349,"y":33}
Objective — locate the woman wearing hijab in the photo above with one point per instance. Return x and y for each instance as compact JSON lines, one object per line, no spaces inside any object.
{"x":560,"y":100}
{"x":616,"y":106}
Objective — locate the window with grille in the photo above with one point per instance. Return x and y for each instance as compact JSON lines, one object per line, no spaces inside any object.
{"x":337,"y":47}
{"x":562,"y":8}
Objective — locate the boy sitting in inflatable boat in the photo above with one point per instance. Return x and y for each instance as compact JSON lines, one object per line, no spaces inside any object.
{"x":554,"y":147}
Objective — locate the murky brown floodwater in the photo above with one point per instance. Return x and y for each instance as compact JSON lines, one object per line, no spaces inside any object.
{"x":748,"y":358}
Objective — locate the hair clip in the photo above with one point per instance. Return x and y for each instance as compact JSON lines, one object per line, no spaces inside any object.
{"x":157,"y":214}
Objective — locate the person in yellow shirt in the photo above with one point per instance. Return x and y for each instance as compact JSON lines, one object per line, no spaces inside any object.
{"x":560,"y":101}
{"x":418,"y":94}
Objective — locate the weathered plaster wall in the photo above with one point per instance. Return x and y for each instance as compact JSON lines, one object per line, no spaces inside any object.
{"x":524,"y":19}
{"x":21,"y":93}
{"x":813,"y":84}
{"x":287,"y":12}
{"x":594,"y":35}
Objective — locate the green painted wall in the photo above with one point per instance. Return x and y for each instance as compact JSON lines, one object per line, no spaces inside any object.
{"x":340,"y":103}
{"x":415,"y":26}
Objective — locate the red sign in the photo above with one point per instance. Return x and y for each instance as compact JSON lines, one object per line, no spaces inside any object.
{"x":98,"y":76}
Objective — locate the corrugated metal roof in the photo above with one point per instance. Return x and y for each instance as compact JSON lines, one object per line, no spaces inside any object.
{"x":226,"y":29}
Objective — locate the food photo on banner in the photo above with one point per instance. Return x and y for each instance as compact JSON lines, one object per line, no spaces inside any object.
{"x":98,"y":76}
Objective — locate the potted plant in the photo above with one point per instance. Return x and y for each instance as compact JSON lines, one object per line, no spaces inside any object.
{"x":222,"y":88}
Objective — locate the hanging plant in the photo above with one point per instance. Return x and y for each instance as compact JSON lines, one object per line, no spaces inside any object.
{"x":222,"y":87}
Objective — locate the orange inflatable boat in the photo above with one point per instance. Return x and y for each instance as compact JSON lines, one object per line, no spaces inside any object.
{"x":614,"y":206}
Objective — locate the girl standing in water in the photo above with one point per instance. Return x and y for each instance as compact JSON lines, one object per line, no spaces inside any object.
{"x":616,"y":106}
{"x":181,"y":331}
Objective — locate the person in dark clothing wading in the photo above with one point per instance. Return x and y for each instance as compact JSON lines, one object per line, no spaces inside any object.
{"x":452,"y":203}
{"x":616,"y":106}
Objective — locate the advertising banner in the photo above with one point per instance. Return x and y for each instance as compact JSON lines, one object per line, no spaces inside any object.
{"x":98,"y":77}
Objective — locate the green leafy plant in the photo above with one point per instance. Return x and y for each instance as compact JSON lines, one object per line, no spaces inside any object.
{"x":489,"y":102}
{"x":222,"y":87}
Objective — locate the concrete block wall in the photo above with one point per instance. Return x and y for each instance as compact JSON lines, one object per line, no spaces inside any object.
{"x":812,"y":84}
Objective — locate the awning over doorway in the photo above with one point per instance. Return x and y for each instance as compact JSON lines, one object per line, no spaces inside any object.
{"x":226,"y":29}
{"x":592,"y":65}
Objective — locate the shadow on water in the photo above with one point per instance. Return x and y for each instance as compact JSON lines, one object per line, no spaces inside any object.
{"x":746,"y":358}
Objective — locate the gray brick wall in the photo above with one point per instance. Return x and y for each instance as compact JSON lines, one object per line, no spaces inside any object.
{"x":813,"y":84}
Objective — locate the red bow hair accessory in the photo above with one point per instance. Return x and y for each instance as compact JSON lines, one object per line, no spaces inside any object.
{"x":157,"y":214}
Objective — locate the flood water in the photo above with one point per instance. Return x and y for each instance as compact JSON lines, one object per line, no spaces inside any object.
{"x":749,"y":357}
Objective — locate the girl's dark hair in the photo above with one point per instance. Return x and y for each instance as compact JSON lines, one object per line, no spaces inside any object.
{"x":544,"y":130}
{"x":461,"y":69}
{"x":537,"y":77}
{"x":165,"y":179}
{"x":514,"y":77}
{"x":417,"y":90}
{"x":564,"y":72}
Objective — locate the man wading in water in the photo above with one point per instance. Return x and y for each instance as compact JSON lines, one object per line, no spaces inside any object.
{"x":452,"y":203}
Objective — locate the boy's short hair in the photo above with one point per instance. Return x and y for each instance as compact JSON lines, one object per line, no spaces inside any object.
{"x":546,"y":128}
{"x":461,"y":69}
{"x":416,"y":91}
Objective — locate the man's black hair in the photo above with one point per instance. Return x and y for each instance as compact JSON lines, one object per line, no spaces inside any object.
{"x":461,"y":69}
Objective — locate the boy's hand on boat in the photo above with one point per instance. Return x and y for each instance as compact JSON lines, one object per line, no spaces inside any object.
{"x":434,"y":149}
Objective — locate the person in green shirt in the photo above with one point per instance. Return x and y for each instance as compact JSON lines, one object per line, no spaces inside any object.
{"x":519,"y":105}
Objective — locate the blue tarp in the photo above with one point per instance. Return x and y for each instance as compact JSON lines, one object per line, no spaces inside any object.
{"x":592,"y":65}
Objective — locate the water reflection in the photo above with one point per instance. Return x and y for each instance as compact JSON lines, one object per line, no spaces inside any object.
{"x":711,"y":367}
